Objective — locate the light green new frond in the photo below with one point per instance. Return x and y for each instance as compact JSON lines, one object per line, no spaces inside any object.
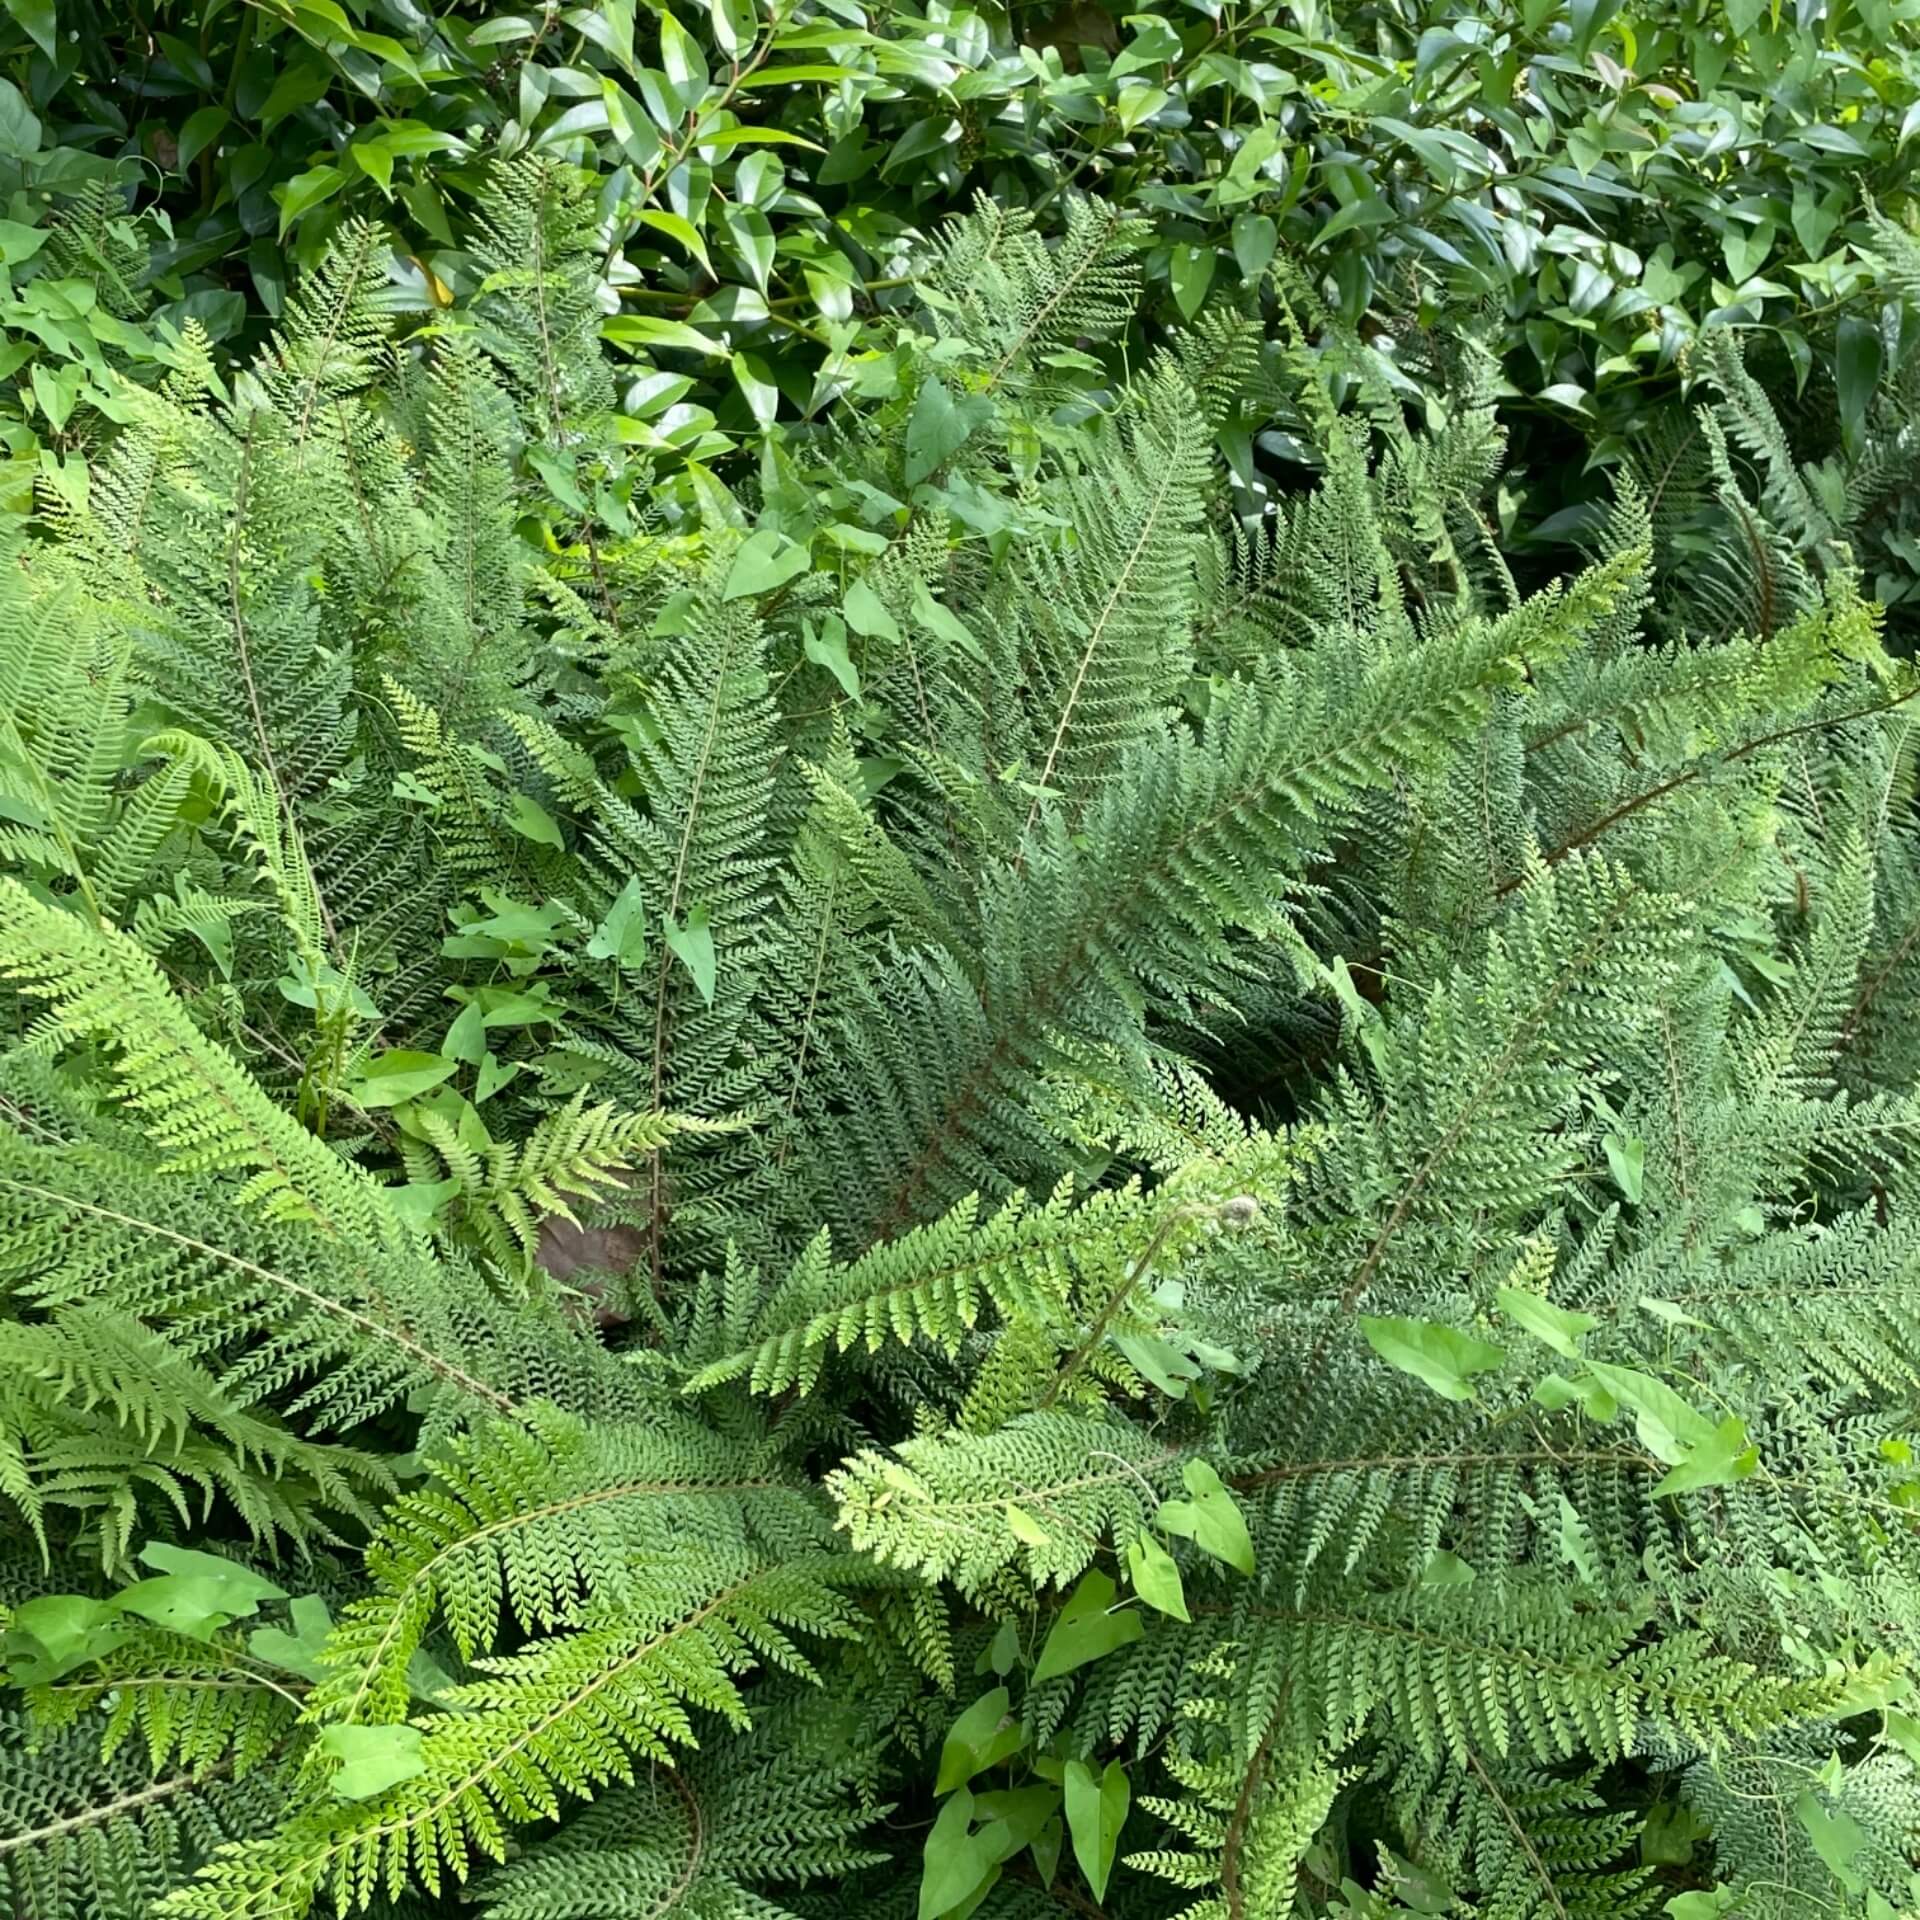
{"x":266,"y":831}
{"x":329,"y":343}
{"x":1676,"y":701}
{"x":544,"y":1525}
{"x":1044,"y":1493}
{"x":1024,"y":1259}
{"x":193,"y":1101}
{"x":1249,"y":1823}
{"x":997,"y":284}
{"x":563,"y":1718}
{"x":1106,"y":618}
{"x":574,"y":1153}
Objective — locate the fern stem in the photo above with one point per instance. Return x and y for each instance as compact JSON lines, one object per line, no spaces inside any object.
{"x":1104,"y":1319}
{"x":113,"y":1809}
{"x":417,"y":1349}
{"x":1519,"y":1833}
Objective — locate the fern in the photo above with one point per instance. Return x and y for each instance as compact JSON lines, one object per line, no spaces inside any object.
{"x":928,"y":1181}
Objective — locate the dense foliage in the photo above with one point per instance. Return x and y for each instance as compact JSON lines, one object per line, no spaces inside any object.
{"x":857,"y":1055}
{"x":1586,"y":184}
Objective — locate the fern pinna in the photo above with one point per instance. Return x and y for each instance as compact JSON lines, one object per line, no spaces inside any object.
{"x":1235,"y":1202}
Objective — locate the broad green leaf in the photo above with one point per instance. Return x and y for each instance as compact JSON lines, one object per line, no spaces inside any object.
{"x":675,"y":227}
{"x":1627,"y":1160}
{"x":297,"y":1651}
{"x":987,"y":1733}
{"x":1191,"y":270}
{"x":1556,"y":1393}
{"x":528,"y":818}
{"x":622,"y":935}
{"x":1084,"y":1630}
{"x":1837,"y":1838}
{"x":466,"y":1039}
{"x":374,"y":158}
{"x":19,"y":242}
{"x":1137,"y":103}
{"x":1559,"y":1327}
{"x":734,"y":24}
{"x":1046,"y":1850}
{"x":681,"y":59}
{"x":419,"y":1201}
{"x":1096,"y":1811}
{"x":751,"y":234}
{"x":766,"y":561}
{"x":641,"y":330}
{"x":1856,"y":370}
{"x":1671,"y":1312}
{"x":1445,"y":1568}
{"x":1367,"y":211}
{"x":1155,"y":1576}
{"x":1255,"y":238}
{"x":50,"y":1636}
{"x":41,"y":21}
{"x":199,"y":130}
{"x":757,"y":137}
{"x":1667,"y":1426}
{"x":939,"y":427}
{"x":751,"y":375}
{"x":1717,"y":1461}
{"x":940,"y":621}
{"x":194,"y":1593}
{"x":828,"y":648}
{"x":1211,"y":1519}
{"x":1162,"y":1363}
{"x":305,"y":191}
{"x":1745,"y":250}
{"x":1443,"y":1357}
{"x":493,"y":1076}
{"x":692,"y":944}
{"x":1711,"y":1904}
{"x":19,"y":124}
{"x":867,"y":613}
{"x":1155,"y":43}
{"x":372,"y":1759}
{"x":400,"y":1074}
{"x":958,"y":1863}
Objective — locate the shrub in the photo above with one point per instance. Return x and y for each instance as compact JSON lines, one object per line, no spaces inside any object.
{"x":1591,"y":187}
